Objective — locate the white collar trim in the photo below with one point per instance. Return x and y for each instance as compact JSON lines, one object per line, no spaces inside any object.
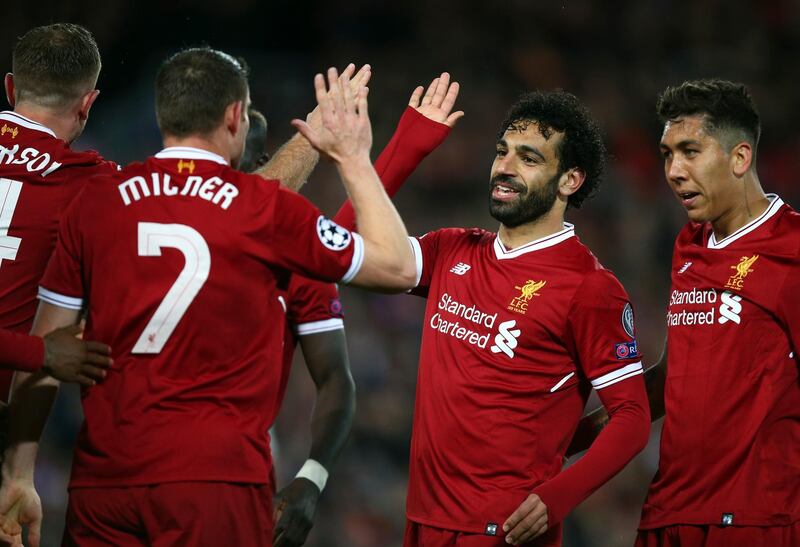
{"x":537,"y":244}
{"x":772,"y":209}
{"x":190,"y":153}
{"x":28,"y":123}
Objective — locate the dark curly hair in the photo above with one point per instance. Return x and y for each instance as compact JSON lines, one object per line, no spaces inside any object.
{"x":582,"y":146}
{"x":730,"y":113}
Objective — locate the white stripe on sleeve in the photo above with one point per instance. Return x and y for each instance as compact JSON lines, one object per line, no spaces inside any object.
{"x":358,"y":258}
{"x":315,"y":327}
{"x":417,"y":257}
{"x":618,"y":375}
{"x":69,"y":302}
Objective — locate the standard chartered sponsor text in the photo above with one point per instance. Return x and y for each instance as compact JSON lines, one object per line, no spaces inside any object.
{"x":455,"y":329}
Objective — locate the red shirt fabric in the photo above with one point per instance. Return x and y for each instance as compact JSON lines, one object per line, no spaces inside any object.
{"x":180,"y":259}
{"x":513,"y":342}
{"x":730,"y":447}
{"x":39,"y":176}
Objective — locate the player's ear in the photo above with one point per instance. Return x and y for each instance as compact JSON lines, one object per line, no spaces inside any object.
{"x":571,"y":180}
{"x":87,"y":101}
{"x":234,"y":117}
{"x":10,"y":89}
{"x":741,"y":158}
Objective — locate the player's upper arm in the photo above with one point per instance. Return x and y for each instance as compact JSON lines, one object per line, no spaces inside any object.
{"x":600,"y":328}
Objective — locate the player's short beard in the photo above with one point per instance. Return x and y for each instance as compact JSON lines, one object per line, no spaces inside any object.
{"x":528,"y":207}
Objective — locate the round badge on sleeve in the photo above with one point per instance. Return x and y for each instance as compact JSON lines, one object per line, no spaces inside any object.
{"x":333,"y":236}
{"x":627,"y":320}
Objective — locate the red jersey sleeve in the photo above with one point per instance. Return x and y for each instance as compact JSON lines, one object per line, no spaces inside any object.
{"x":426,"y":251}
{"x":302,"y":240}
{"x":20,"y":352}
{"x":415,"y":137}
{"x":62,"y":283}
{"x":313,"y":306}
{"x":600,"y":329}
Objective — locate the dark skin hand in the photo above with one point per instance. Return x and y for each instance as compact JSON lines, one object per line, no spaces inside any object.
{"x":70,"y":359}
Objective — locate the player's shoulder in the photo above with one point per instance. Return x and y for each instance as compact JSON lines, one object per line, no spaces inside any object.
{"x":593,"y":275}
{"x":465,"y":236}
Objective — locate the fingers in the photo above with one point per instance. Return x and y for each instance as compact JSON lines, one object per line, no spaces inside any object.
{"x":430,"y":91}
{"x":527,"y":521}
{"x":349,"y":70}
{"x":99,"y":360}
{"x":416,"y":96}
{"x":362,"y":104}
{"x":335,"y":93}
{"x":449,"y":98}
{"x":35,"y":533}
{"x":304,"y":129}
{"x":362,"y":77}
{"x":95,"y":373}
{"x":98,"y":348}
{"x":441,"y":90}
{"x":453,"y":118}
{"x":323,"y":101}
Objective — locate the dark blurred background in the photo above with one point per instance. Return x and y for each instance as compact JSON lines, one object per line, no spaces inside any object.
{"x":616,"y":55}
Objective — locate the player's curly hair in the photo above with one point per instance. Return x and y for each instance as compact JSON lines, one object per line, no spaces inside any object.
{"x":582,"y":146}
{"x":730,"y":112}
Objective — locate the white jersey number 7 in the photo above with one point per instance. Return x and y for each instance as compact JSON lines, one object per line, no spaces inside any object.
{"x":152,"y":238}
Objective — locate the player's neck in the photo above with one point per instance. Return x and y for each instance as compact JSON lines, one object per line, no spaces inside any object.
{"x":57,"y":122}
{"x":749,"y":203}
{"x":545,"y":225}
{"x":203,"y":143}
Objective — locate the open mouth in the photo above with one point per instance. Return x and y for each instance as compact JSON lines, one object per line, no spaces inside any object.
{"x":503,"y":192}
{"x":688,"y":198}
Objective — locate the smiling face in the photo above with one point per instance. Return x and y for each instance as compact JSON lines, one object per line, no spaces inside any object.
{"x":698,"y":169}
{"x":525,"y":174}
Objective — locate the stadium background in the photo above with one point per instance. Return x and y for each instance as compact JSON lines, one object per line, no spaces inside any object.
{"x":615,"y":55}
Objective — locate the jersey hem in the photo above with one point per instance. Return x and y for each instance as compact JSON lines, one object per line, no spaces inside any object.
{"x":437,"y":524}
{"x":241,"y":479}
{"x":710,"y":518}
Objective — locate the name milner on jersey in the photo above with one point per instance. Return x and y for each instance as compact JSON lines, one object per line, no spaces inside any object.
{"x":212,"y":189}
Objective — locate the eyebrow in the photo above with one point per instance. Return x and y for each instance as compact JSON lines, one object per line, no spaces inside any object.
{"x":524,"y":148}
{"x":683,"y":144}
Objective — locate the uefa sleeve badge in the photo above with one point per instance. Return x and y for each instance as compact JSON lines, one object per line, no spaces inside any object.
{"x":333,"y":236}
{"x":627,"y":320}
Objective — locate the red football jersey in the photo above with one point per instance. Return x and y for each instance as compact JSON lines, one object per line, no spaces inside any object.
{"x":512,"y":343}
{"x":39,"y":176}
{"x":730,"y":447}
{"x":179,"y":259}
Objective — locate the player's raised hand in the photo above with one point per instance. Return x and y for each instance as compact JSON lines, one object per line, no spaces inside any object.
{"x":527,"y":522}
{"x":346,"y":132}
{"x":20,"y":505}
{"x":69,"y":359}
{"x":357,"y":81}
{"x":294,"y":513}
{"x":437,"y":102}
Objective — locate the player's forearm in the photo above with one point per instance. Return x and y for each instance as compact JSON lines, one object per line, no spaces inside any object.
{"x":625,"y":436}
{"x":32,"y":398}
{"x":332,"y":419}
{"x":655,"y":379}
{"x":21,"y":351}
{"x":292,"y":164}
{"x":588,"y":429}
{"x":388,"y":259}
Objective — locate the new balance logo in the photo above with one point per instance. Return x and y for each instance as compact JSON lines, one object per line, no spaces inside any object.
{"x":684,"y":267}
{"x":460,"y":269}
{"x":506,"y":340}
{"x":730,"y":308}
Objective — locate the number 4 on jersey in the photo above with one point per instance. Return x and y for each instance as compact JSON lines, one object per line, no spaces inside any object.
{"x":9,"y":194}
{"x":152,"y":238}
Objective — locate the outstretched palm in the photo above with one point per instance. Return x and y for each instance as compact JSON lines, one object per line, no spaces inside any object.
{"x":437,"y":101}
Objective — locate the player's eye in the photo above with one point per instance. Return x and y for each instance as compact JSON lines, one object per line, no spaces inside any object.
{"x":530,"y":160}
{"x":666,"y":154}
{"x":690,"y":152}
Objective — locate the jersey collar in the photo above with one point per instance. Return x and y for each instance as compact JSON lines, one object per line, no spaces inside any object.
{"x":190,"y":153}
{"x":772,"y":209}
{"x":19,"y":119}
{"x":537,"y":244}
